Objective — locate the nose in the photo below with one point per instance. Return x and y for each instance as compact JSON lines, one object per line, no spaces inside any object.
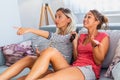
{"x":56,"y":20}
{"x":84,"y":20}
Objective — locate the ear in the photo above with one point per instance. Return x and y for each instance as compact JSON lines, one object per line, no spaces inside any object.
{"x":97,"y":22}
{"x":69,"y":20}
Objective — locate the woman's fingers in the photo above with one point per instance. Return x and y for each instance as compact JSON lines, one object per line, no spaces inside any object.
{"x":22,"y":30}
{"x":37,"y":52}
{"x":19,"y":30}
{"x":93,"y":41}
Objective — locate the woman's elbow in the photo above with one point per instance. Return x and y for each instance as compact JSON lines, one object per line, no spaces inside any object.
{"x":99,"y":62}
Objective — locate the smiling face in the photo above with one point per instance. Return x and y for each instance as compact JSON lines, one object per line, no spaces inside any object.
{"x":61,"y":20}
{"x":90,"y":21}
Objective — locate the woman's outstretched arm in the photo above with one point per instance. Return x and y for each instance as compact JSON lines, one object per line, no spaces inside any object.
{"x":23,"y":30}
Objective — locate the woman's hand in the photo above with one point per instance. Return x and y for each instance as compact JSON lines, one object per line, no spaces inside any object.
{"x":37,"y":52}
{"x":22,"y":30}
{"x":75,"y":40}
{"x":94,"y":42}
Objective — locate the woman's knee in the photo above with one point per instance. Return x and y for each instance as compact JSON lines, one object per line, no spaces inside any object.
{"x":30,"y":58}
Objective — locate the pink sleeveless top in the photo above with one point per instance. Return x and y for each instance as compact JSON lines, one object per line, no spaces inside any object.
{"x":85,"y":54}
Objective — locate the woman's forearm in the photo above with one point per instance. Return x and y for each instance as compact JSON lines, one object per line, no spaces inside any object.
{"x":100,"y":51}
{"x":42,"y":33}
{"x":75,"y":50}
{"x":97,"y":55}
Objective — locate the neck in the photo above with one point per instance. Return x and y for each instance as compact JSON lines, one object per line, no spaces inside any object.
{"x":62,"y":30}
{"x":92,"y":32}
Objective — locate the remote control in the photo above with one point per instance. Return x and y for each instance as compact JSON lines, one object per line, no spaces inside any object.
{"x":72,"y":37}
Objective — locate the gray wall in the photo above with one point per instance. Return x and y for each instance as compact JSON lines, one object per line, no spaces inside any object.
{"x":113,"y":19}
{"x":9,"y":17}
{"x":30,"y":12}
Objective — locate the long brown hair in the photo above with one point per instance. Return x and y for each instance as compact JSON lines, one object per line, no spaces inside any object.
{"x":101,"y":18}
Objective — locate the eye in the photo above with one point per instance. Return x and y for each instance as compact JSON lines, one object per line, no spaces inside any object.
{"x":59,"y":16}
{"x":89,"y":17}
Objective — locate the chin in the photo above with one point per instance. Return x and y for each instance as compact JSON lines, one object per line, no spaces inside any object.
{"x":84,"y":26}
{"x":57,"y":26}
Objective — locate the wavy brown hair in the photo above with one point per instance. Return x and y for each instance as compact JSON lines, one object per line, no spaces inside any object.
{"x":101,"y":18}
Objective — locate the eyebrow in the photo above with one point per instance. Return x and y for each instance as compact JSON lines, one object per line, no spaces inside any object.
{"x":88,"y":14}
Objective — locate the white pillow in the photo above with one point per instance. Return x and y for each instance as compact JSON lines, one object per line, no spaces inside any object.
{"x":115,"y":60}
